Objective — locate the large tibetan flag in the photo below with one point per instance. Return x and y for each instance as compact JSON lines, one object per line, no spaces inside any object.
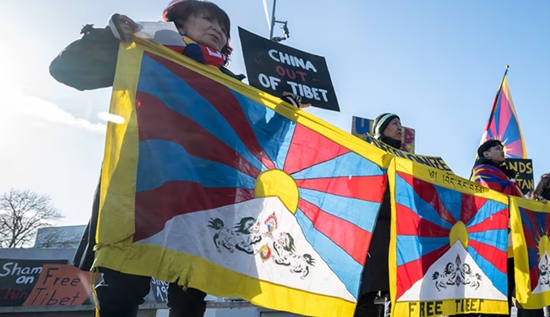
{"x":231,"y":191}
{"x":504,"y":125}
{"x":448,"y":247}
{"x":531,"y":238}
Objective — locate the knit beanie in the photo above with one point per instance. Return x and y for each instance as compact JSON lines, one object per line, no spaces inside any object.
{"x":381,"y":123}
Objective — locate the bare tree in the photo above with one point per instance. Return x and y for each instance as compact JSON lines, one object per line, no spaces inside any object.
{"x":22,"y":213}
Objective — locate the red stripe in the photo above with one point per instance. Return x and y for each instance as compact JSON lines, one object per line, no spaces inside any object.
{"x":407,"y":178}
{"x":155,"y":207}
{"x":505,"y":114}
{"x":469,"y":207}
{"x":491,"y":254}
{"x":409,"y":273}
{"x":413,"y":225}
{"x":530,"y":240}
{"x":498,"y":221}
{"x":305,"y":138}
{"x":353,"y":187}
{"x":221,"y":98}
{"x":158,"y":122}
{"x":352,"y":239}
{"x":427,"y":192}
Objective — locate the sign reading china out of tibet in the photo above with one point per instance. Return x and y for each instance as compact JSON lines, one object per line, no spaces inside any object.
{"x":275,"y":68}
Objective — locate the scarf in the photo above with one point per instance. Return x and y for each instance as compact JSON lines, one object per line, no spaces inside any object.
{"x":200,"y":53}
{"x":495,"y":178}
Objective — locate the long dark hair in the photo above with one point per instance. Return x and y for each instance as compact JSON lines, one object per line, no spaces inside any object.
{"x":179,"y":11}
{"x":542,"y":191}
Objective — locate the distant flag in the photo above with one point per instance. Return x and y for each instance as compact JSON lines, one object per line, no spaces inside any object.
{"x":503,"y":123}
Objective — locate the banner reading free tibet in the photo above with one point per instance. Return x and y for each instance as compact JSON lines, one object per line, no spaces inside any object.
{"x":449,"y":241}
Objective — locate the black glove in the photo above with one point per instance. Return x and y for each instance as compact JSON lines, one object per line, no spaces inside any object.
{"x":293,"y":100}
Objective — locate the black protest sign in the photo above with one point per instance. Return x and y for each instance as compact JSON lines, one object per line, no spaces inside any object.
{"x":524,"y":173}
{"x":275,"y":68}
{"x":160,"y":290}
{"x":18,"y":277}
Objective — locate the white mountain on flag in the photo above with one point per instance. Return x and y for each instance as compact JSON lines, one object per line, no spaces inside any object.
{"x":259,"y":238}
{"x":454,"y":275}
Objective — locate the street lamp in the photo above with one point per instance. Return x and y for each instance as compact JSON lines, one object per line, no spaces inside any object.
{"x":284,"y":26}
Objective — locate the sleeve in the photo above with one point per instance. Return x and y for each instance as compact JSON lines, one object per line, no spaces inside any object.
{"x":88,"y":63}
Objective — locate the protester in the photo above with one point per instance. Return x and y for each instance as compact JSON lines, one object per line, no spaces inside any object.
{"x":542,"y":191}
{"x":89,"y":63}
{"x":490,"y":171}
{"x":375,"y":285}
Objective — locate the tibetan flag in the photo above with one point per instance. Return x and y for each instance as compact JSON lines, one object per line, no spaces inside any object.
{"x":504,"y":125}
{"x":448,"y":247}
{"x":231,"y":191}
{"x":531,"y":238}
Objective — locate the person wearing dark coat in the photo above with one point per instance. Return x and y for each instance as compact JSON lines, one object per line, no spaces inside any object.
{"x":90,"y":63}
{"x":375,"y":285}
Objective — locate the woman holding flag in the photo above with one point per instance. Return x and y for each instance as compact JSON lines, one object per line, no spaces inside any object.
{"x":90,"y":63}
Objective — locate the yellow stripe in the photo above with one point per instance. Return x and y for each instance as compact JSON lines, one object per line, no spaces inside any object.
{"x":449,"y":307}
{"x":117,"y":197}
{"x":149,"y":260}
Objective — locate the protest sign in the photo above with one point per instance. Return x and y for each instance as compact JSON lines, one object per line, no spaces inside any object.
{"x":275,"y":68}
{"x":524,"y":169}
{"x":361,"y":128}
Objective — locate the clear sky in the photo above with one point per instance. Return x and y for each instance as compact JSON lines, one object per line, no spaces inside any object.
{"x":437,"y":64}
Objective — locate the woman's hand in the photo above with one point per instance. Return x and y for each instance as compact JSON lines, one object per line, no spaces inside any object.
{"x":295,"y":100}
{"x":123,"y":27}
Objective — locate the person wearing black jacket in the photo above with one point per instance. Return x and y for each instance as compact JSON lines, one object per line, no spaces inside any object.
{"x":90,"y":63}
{"x":375,"y":285}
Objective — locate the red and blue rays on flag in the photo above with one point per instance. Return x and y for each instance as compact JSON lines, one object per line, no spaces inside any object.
{"x":504,"y":125}
{"x":536,"y":228}
{"x":203,"y":146}
{"x":492,"y":177}
{"x":425,"y":215}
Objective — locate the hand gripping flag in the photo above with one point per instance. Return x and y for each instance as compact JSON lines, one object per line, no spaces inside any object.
{"x":231,"y":191}
{"x":531,"y":238}
{"x":448,"y":247}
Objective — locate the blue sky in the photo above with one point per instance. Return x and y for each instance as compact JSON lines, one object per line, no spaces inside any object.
{"x":437,"y":64}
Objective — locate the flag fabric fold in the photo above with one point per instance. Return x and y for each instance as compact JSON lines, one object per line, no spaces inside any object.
{"x":449,"y":239}
{"x":229,"y":190}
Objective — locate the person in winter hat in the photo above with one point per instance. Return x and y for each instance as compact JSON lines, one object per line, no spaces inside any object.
{"x":387,"y":128}
{"x":375,"y":285}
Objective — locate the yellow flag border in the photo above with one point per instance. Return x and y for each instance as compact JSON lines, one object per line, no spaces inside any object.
{"x":115,"y":248}
{"x":450,"y":181}
{"x":521,"y":263}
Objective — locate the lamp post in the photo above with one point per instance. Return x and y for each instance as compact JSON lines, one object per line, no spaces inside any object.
{"x":284,"y":26}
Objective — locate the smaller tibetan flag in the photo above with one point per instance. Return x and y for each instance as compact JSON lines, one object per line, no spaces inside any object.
{"x":531,"y":238}
{"x":503,"y":123}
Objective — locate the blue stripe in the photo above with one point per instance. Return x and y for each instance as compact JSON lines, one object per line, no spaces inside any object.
{"x":273,"y":131}
{"x":533,"y":256}
{"x":155,"y":79}
{"x":359,"y":212}
{"x":406,"y":196}
{"x":495,"y":238}
{"x":526,"y":221}
{"x":349,"y":164}
{"x":341,"y":263}
{"x":540,"y":218}
{"x":411,"y":248}
{"x":451,"y":199}
{"x":163,"y":161}
{"x":488,"y":209}
{"x":499,"y":279}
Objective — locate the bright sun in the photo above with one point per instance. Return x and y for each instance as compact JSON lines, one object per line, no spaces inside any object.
{"x":277,"y":183}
